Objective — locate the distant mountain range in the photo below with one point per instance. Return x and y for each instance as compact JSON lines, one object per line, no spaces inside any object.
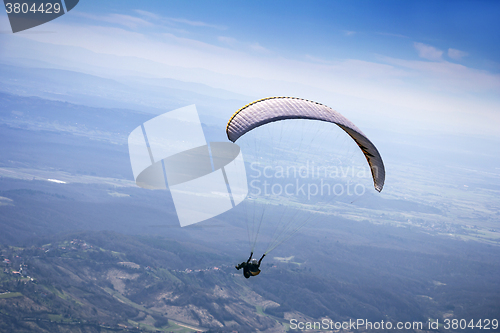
{"x":154,"y":96}
{"x":105,"y":255}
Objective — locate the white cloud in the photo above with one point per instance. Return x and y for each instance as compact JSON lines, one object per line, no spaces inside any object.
{"x":125,"y":20}
{"x":259,"y":48}
{"x":436,"y":88}
{"x":317,"y":59}
{"x":349,"y":33}
{"x":235,"y":44}
{"x":456,"y":54}
{"x":148,"y":19}
{"x":148,"y":14}
{"x":427,"y":51}
{"x":227,"y":40}
{"x":196,"y":23}
{"x":449,"y":77}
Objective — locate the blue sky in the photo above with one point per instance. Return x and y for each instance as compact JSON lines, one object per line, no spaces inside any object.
{"x":321,"y":26}
{"x":426,"y":64}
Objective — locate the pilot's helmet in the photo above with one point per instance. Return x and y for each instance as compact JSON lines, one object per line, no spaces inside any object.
{"x":254,"y":262}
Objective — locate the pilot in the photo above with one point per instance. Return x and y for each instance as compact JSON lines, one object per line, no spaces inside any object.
{"x":251,"y":266}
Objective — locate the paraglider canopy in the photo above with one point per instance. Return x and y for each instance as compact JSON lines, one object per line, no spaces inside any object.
{"x":273,"y":109}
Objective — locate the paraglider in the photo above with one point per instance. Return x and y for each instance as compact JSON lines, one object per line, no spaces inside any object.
{"x":251,"y":266}
{"x":281,"y":110}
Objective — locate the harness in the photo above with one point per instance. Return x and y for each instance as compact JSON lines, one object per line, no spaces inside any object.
{"x":251,"y":270}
